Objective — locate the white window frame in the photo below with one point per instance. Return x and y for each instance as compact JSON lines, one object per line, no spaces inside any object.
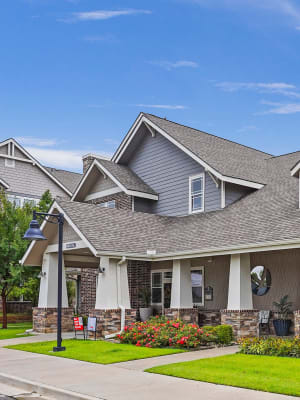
{"x":191,"y":178}
{"x":203,"y":285}
{"x":105,"y":204}
{"x":163,"y":280}
{"x":23,"y":199}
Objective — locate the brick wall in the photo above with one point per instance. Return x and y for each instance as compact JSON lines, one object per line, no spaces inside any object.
{"x":45,"y":319}
{"x":188,"y":315}
{"x":109,"y":321}
{"x":244,"y":322}
{"x":209,"y":317}
{"x":139,"y":276}
{"x":87,"y":290}
{"x":123,"y":201}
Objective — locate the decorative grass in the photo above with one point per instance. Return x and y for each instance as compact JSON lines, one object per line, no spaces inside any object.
{"x":15,"y":330}
{"x":265,"y":373}
{"x":100,"y":351}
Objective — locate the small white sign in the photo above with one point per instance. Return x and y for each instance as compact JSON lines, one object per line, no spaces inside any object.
{"x":92,"y":321}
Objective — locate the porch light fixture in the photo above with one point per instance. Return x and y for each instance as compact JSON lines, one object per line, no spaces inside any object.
{"x":34,"y":233}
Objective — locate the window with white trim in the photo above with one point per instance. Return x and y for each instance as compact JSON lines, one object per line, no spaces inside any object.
{"x":197,"y":276}
{"x":20,"y":201}
{"x":108,"y":204}
{"x":196,"y":193}
{"x":156,"y":288}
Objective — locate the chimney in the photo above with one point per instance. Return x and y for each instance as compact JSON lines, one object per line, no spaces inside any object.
{"x":89,"y":158}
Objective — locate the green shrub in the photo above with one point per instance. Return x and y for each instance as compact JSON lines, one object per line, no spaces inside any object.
{"x":272,"y":346}
{"x":160,"y":332}
{"x":224,"y":334}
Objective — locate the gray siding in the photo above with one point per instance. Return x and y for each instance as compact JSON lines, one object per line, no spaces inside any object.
{"x":4,"y":149}
{"x":102,"y":184}
{"x":27,"y":179}
{"x":166,"y":169}
{"x":235,"y":192}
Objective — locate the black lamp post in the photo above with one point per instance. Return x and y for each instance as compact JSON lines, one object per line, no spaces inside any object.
{"x":34,"y":233}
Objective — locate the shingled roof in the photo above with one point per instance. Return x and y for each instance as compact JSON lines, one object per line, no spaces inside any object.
{"x":268,"y":215}
{"x":226,"y":157}
{"x":69,"y":179}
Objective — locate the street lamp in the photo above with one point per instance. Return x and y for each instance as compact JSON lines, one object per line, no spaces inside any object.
{"x":34,"y":233}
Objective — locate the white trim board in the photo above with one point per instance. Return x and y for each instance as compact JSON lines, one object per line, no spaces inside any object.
{"x":142,"y":119}
{"x":103,"y":193}
{"x":4,"y":184}
{"x":295,"y":169}
{"x":34,"y":162}
{"x":102,"y":169}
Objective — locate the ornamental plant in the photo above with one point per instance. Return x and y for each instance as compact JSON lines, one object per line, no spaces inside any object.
{"x":161,"y":332}
{"x":272,"y":346}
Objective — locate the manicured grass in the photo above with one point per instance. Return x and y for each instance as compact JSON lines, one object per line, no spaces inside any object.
{"x":265,"y":373}
{"x":99,"y":351}
{"x":15,"y":330}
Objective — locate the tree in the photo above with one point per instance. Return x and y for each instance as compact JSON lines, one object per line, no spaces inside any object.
{"x":14,"y":222}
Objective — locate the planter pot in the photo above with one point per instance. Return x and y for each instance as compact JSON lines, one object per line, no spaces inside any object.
{"x":282,"y":326}
{"x":145,"y":313}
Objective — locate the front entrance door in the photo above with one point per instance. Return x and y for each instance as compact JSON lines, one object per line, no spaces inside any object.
{"x":167,"y":294}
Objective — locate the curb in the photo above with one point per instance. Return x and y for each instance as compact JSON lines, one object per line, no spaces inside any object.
{"x":42,"y":389}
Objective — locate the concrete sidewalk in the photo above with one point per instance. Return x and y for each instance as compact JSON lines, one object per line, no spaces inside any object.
{"x":43,"y":337}
{"x":116,"y":381}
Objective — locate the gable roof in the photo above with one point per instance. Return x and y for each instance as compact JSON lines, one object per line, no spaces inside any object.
{"x":228,"y":161}
{"x":32,"y":160}
{"x":122,"y":176}
{"x":68,"y":178}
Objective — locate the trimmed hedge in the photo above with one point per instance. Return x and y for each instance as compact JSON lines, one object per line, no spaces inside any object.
{"x":160,"y":332}
{"x":272,"y":346}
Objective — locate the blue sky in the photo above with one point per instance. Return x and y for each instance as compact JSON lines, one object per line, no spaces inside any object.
{"x":76,"y":73}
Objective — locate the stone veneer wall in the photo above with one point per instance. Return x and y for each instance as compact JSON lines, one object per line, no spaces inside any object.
{"x":188,"y":315}
{"x":109,"y":321}
{"x":87,"y":290}
{"x":139,"y":277}
{"x":45,"y":319}
{"x":123,"y":201}
{"x":297,"y":322}
{"x":243,"y":322}
{"x":209,"y":317}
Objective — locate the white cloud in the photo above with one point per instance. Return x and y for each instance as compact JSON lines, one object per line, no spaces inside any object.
{"x":285,"y":89}
{"x":163,"y":106}
{"x":286,"y":8}
{"x":65,"y":159}
{"x":33,"y":141}
{"x":100,"y":15}
{"x":283,"y":109}
{"x":168,"y":65}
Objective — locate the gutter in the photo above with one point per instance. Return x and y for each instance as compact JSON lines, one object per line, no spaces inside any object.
{"x":120,"y":306}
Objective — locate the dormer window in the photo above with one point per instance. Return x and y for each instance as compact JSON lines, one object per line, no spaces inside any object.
{"x":196,"y":193}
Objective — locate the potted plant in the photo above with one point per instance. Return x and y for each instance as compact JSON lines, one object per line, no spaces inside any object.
{"x":282,"y":324}
{"x":145,"y":297}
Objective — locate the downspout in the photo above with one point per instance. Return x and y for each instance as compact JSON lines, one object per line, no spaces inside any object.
{"x":120,"y":306}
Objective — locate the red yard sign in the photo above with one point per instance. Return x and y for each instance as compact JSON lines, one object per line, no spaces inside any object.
{"x":78,"y":323}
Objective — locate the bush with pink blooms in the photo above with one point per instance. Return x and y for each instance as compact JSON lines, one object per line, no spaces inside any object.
{"x":160,"y":332}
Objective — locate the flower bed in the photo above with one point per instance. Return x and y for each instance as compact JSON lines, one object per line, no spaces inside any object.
{"x":160,"y":332}
{"x":272,"y":346}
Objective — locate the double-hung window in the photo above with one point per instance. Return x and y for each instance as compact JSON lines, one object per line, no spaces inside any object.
{"x":108,"y":204}
{"x":197,"y":193}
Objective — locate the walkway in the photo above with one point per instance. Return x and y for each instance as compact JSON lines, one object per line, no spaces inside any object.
{"x":125,"y":381}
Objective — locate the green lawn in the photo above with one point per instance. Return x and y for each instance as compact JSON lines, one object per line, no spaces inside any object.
{"x":15,"y":330}
{"x":99,"y":351}
{"x":265,"y":373}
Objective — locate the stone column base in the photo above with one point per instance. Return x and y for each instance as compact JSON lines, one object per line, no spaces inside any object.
{"x":209,"y":317}
{"x":109,"y":321}
{"x":244,"y":322}
{"x":45,"y":319}
{"x":297,"y":322}
{"x":188,"y":315}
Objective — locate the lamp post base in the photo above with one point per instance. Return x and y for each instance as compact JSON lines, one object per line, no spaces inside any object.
{"x":56,"y":349}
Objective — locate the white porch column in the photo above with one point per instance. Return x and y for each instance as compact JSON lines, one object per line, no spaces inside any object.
{"x":112,"y":289}
{"x":239,"y":291}
{"x":48,"y":283}
{"x":181,"y":295}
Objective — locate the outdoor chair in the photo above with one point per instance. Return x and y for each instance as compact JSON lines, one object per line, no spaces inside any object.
{"x":79,"y":327}
{"x":264,"y":321}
